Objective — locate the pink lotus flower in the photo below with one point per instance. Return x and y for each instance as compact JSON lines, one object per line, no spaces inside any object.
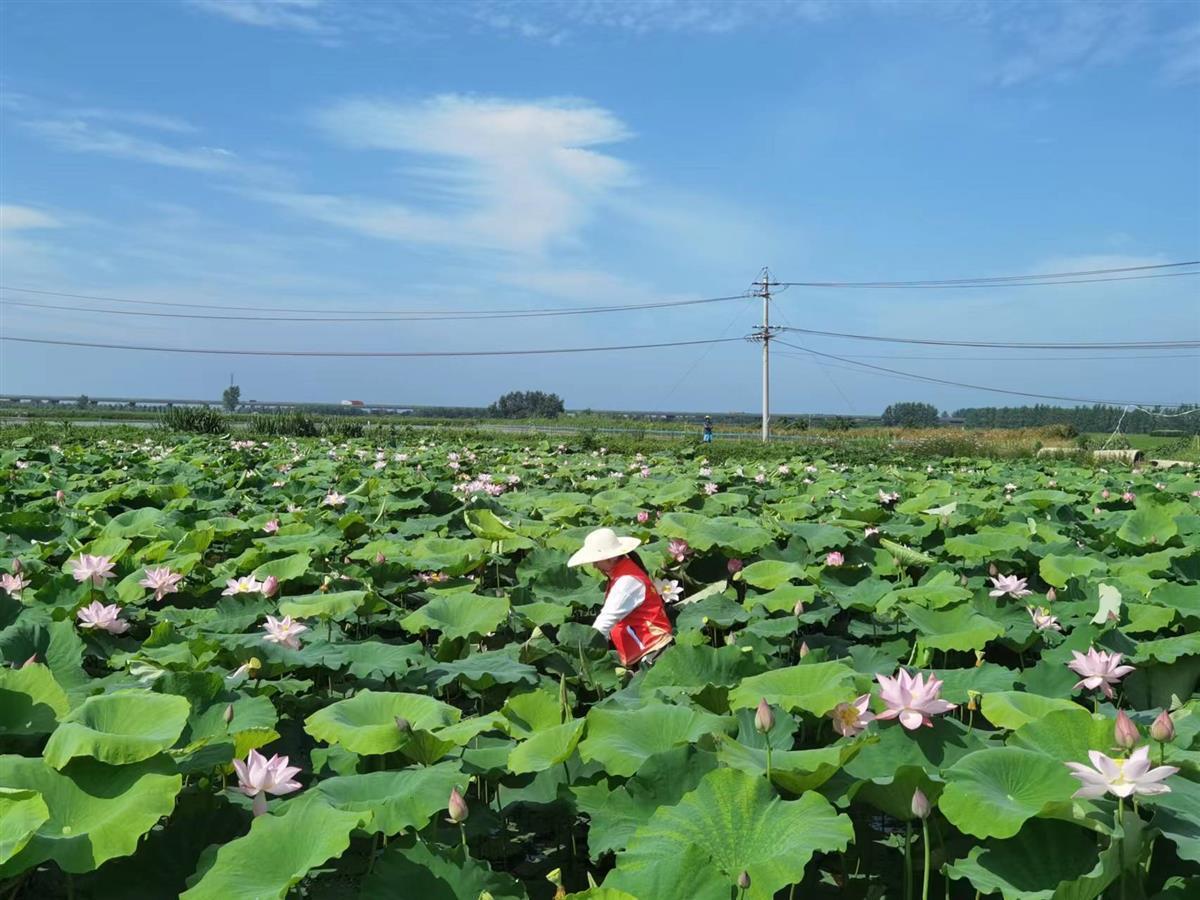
{"x":705,"y":472}
{"x":734,"y":566}
{"x":911,"y":700}
{"x":760,"y":478}
{"x":1104,"y":494}
{"x":784,"y":470}
{"x":870,"y":531}
{"x":888,"y":499}
{"x":96,"y":569}
{"x":679,"y":549}
{"x":644,"y":472}
{"x":456,"y":808}
{"x":1042,"y":620}
{"x":380,"y":559}
{"x":851,"y":718}
{"x":711,"y":488}
{"x":643,"y":517}
{"x":669,"y":591}
{"x":247,"y":584}
{"x":1120,"y":777}
{"x":60,"y":497}
{"x":271,"y":527}
{"x":13,"y":584}
{"x":1099,"y":669}
{"x":284,"y":632}
{"x":270,"y":586}
{"x":1011,"y":585}
{"x":1128,"y":496}
{"x":834,"y":559}
{"x":103,"y":618}
{"x":162,"y":581}
{"x":334,"y":499}
{"x":259,"y":776}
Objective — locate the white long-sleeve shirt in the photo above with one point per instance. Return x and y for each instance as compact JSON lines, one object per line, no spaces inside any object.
{"x":627,"y":594}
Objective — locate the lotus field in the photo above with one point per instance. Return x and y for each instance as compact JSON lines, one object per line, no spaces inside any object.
{"x":235,"y":669}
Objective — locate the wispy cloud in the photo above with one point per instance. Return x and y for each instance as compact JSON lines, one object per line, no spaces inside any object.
{"x":476,"y":172}
{"x":84,"y":136}
{"x":309,"y":16}
{"x":24,"y":218}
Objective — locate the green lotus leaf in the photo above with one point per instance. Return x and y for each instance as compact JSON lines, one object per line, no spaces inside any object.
{"x":1177,"y":815}
{"x":983,"y":545}
{"x":366,"y":723}
{"x":1167,"y":650}
{"x":458,"y":616}
{"x":983,"y":679}
{"x":546,"y":748}
{"x":278,"y":852}
{"x":732,"y":535}
{"x":943,"y":589}
{"x":1058,"y":570}
{"x":481,"y":671}
{"x":928,"y":749}
{"x":395,"y":800}
{"x":526,"y":714}
{"x":955,"y":628}
{"x":1148,"y":526}
{"x":812,"y":687}
{"x":783,"y":598}
{"x":1047,"y":860}
{"x":57,"y":644}
{"x":769,"y":574}
{"x":485,"y":524}
{"x":119,"y":728}
{"x":992,"y":793}
{"x":600,"y":893}
{"x":616,"y":813}
{"x":437,"y":874}
{"x":373,"y":658}
{"x":1066,"y":734}
{"x":97,"y":812}
{"x":1185,"y":598}
{"x":22,"y":813}
{"x":796,"y":771}
{"x":622,"y":739}
{"x":451,"y":556}
{"x":287,"y":568}
{"x":691,"y":669}
{"x":906,"y":555}
{"x":1012,"y":709}
{"x":31,"y":701}
{"x":339,"y":605}
{"x":731,"y":823}
{"x":819,"y":537}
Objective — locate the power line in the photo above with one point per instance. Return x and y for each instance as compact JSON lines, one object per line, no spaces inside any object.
{"x":1015,"y":345}
{"x":1108,"y":358}
{"x":364,"y":353}
{"x":974,"y":387}
{"x":1016,"y":280}
{"x":431,"y":315}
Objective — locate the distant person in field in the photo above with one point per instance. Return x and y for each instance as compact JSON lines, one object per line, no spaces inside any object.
{"x":633,"y":616}
{"x":708,"y":429}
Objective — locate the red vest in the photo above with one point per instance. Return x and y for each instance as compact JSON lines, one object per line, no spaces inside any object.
{"x":645,"y":629}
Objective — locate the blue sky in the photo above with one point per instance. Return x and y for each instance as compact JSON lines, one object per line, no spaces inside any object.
{"x":342,"y":156}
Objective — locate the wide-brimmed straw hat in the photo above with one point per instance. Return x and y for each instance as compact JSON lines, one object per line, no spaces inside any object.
{"x":603,"y":543}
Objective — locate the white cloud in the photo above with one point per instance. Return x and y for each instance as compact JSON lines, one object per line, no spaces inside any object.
{"x":22,"y":218}
{"x":82,"y":136}
{"x":293,"y":15}
{"x":488,"y":174}
{"x":1182,"y":63}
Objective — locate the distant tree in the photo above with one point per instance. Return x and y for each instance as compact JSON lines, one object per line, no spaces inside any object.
{"x":232,"y":397}
{"x":910,"y":415}
{"x":839,"y":423}
{"x":527,"y":405}
{"x":84,"y":401}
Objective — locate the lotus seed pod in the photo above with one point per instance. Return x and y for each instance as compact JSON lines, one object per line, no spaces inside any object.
{"x":228,"y":715}
{"x":457,"y":807}
{"x":764,"y":718}
{"x":1125,"y":732}
{"x":920,"y":804}
{"x":1162,"y":729}
{"x":743,"y":880}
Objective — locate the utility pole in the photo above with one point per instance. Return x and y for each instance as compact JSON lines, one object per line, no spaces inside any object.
{"x":764,"y":333}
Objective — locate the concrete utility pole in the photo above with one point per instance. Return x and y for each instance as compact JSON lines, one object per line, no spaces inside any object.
{"x":764,"y":333}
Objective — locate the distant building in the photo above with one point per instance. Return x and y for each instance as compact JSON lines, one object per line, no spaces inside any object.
{"x":354,"y":403}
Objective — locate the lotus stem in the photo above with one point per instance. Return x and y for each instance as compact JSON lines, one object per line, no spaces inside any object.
{"x":908,"y":872}
{"x":925,"y":847}
{"x":462,"y":831}
{"x":768,"y":759}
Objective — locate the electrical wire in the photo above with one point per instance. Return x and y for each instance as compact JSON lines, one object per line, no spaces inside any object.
{"x":363,"y":353}
{"x":977,"y":358}
{"x":431,"y":315}
{"x":975,"y":387}
{"x":1018,"y":280}
{"x":1015,"y":345}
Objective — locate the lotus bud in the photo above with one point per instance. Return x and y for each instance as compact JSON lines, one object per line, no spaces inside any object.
{"x":33,"y":661}
{"x":962,"y":579}
{"x":1051,"y":596}
{"x":993,"y":571}
{"x":804,"y":651}
{"x":403,"y":725}
{"x":764,"y":719}
{"x":270,"y":586}
{"x":228,"y":715}
{"x":1125,"y":732}
{"x":380,"y":559}
{"x":16,"y":567}
{"x":920,"y":805}
{"x":798,"y":609}
{"x":1162,"y":729}
{"x":457,"y":807}
{"x":60,"y":497}
{"x":743,"y":880}
{"x":734,"y":566}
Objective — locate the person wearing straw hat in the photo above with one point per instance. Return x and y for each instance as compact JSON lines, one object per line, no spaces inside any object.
{"x":633,"y":616}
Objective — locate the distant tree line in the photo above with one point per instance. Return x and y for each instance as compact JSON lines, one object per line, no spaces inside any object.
{"x":1096,"y":418}
{"x":527,"y":405}
{"x":910,"y":415}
